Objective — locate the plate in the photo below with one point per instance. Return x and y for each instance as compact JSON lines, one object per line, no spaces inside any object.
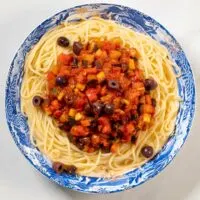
{"x":19,"y":129}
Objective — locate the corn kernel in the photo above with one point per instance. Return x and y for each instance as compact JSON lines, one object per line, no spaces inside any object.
{"x":114,"y":54}
{"x":106,"y":98}
{"x":91,"y":77}
{"x":101,"y":76}
{"x":78,"y":116}
{"x":98,"y":53}
{"x":61,"y":95}
{"x":72,"y":112}
{"x":80,"y":86}
{"x":146,"y":118}
{"x":131,"y":64}
{"x":125,"y":101}
{"x":89,"y":58}
{"x":63,"y":117}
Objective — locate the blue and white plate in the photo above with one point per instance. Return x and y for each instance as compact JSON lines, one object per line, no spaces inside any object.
{"x":18,"y":123}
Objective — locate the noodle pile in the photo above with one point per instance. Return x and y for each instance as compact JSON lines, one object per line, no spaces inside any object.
{"x":52,"y":141}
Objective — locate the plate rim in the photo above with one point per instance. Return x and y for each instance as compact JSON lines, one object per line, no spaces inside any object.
{"x":11,"y":71}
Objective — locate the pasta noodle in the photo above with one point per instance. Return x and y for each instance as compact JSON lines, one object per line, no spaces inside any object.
{"x":53,"y":142}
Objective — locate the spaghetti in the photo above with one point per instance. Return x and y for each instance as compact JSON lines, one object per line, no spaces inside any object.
{"x":52,"y":141}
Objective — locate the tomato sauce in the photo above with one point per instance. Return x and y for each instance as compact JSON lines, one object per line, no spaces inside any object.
{"x":99,"y":96}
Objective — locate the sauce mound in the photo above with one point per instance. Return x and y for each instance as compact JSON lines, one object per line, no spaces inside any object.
{"x":98,"y":95}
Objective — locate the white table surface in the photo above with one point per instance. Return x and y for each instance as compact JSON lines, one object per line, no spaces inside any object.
{"x":19,"y":180}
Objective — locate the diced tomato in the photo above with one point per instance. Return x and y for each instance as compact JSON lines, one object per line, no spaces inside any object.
{"x":52,"y":108}
{"x":107,"y":45}
{"x":50,"y":76}
{"x":139,"y":86}
{"x":71,"y":81}
{"x":75,"y":71}
{"x":105,"y":125}
{"x":116,"y":116}
{"x":64,"y":70}
{"x":85,"y":122}
{"x":114,"y":134}
{"x":51,"y":80}
{"x":106,"y":129}
{"x":48,"y":110}
{"x":81,"y":78}
{"x":142,"y":100}
{"x":45,"y":103}
{"x":91,"y":149}
{"x":138,"y":75}
{"x":126,"y":138}
{"x":51,"y":84}
{"x":146,"y":108}
{"x":57,"y":113}
{"x":107,"y":67}
{"x":104,"y":142}
{"x":125,"y":56}
{"x":55,"y":70}
{"x":125,"y":82}
{"x":92,"y":94}
{"x":79,"y":103}
{"x":65,"y":59}
{"x":129,"y":129}
{"x":55,"y":104}
{"x":91,"y":71}
{"x":103,"y":91}
{"x":95,"y":140}
{"x":135,"y":101}
{"x":132,"y":94}
{"x":63,"y":117}
{"x":79,"y":131}
{"x":117,"y":71}
{"x":107,"y":98}
{"x":117,"y":102}
{"x":148,"y":99}
{"x":104,"y":55}
{"x":114,"y":147}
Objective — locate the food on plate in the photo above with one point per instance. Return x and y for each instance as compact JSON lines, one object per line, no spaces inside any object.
{"x":101,"y":99}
